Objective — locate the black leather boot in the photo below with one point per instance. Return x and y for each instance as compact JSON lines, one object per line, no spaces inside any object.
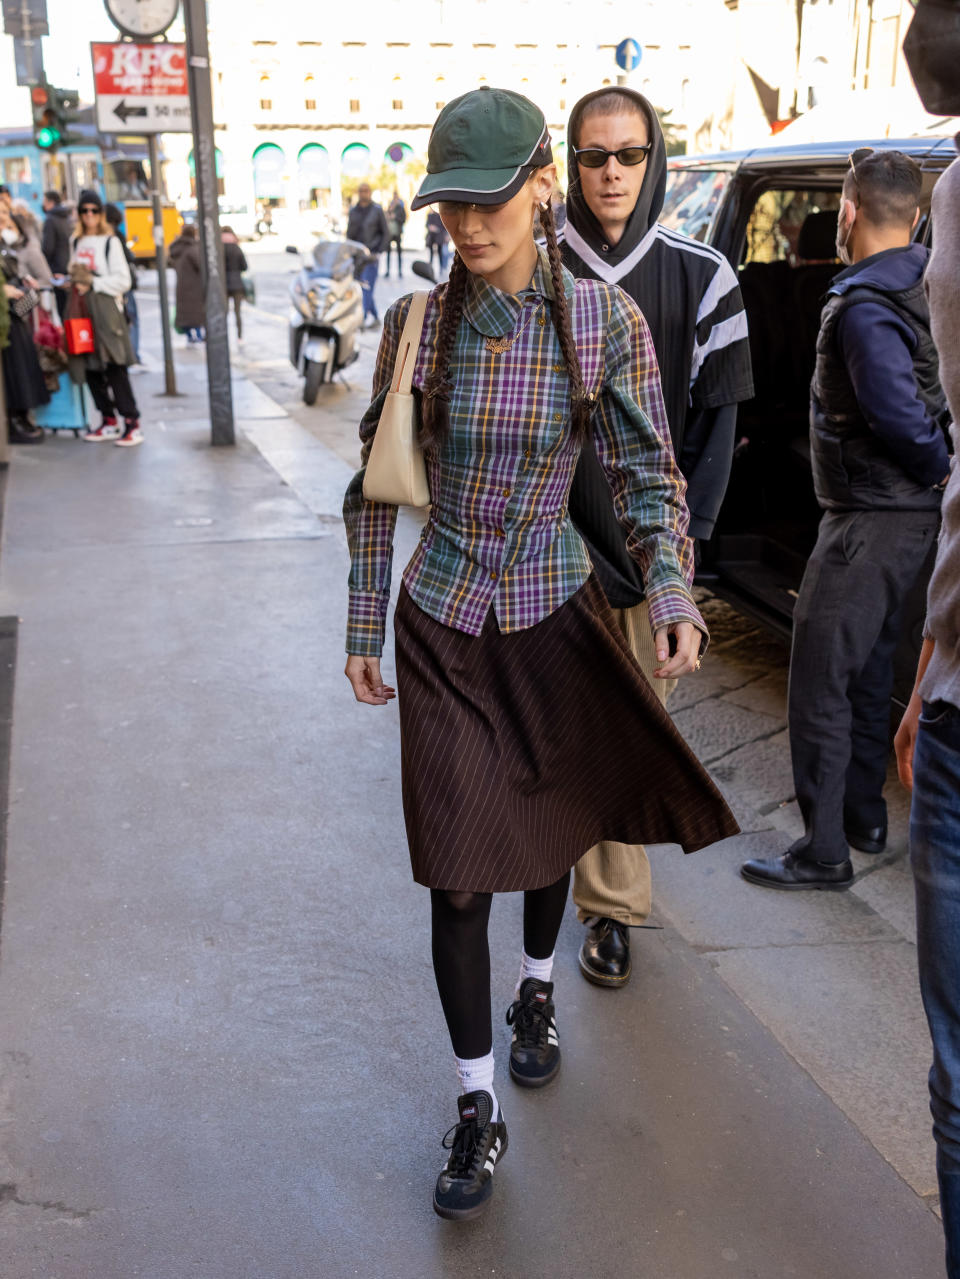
{"x":605,"y":953}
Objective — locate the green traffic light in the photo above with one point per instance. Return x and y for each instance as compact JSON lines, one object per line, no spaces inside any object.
{"x":47,"y":138}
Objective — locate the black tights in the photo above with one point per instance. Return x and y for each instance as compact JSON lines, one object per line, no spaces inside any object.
{"x":461,"y":955}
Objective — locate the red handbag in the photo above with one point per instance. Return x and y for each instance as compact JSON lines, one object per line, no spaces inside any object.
{"x":79,"y":333}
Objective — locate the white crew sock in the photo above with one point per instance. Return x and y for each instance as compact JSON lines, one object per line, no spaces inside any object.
{"x":475,"y":1074}
{"x":539,"y":968}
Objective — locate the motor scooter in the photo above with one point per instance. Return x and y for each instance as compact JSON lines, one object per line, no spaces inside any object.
{"x":327,"y":313}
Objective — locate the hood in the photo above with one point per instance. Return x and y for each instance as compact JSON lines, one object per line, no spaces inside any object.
{"x":59,"y":211}
{"x":650,"y":200}
{"x":892,"y":271}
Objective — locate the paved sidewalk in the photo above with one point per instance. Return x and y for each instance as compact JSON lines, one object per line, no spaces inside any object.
{"x":221,"y":1053}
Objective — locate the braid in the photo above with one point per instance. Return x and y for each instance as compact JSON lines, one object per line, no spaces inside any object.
{"x":436,"y":389}
{"x":581,"y":404}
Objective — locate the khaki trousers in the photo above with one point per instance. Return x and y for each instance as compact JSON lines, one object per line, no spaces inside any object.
{"x":613,"y":880}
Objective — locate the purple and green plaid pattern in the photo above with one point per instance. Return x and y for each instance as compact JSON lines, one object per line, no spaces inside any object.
{"x":498,"y":534}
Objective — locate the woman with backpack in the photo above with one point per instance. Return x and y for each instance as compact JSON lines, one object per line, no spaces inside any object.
{"x":100,"y":279}
{"x":527,"y":728}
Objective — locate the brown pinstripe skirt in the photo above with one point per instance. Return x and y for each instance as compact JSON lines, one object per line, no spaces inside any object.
{"x":521,"y":751}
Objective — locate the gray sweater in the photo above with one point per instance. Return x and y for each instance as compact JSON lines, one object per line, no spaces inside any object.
{"x":941,"y":681}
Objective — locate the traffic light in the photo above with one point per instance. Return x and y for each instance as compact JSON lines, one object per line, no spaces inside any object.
{"x":46,"y":133}
{"x":54,"y":110}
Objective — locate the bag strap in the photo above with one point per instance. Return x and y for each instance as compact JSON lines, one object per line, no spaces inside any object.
{"x":402,"y":380}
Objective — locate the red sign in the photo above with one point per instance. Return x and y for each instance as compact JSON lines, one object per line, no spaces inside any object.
{"x":141,"y":88}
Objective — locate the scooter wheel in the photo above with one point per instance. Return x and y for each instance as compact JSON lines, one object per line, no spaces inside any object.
{"x":312,"y":381}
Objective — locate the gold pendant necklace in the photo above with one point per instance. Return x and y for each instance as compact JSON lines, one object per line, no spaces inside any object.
{"x":497,"y":346}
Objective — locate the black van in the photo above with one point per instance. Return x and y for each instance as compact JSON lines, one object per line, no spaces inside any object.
{"x":773,"y":213}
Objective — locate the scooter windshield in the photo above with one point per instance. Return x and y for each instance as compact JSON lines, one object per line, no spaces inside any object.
{"x":333,"y":258}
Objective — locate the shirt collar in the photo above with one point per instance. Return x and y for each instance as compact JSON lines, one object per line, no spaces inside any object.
{"x":494,"y":314}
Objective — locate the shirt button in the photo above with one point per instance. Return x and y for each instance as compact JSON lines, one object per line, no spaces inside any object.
{"x":493,"y":577}
{"x":506,"y":492}
{"x":526,"y":453}
{"x":558,"y":417}
{"x":559,"y":368}
{"x":541,"y":320}
{"x":605,"y":247}
{"x":500,"y":533}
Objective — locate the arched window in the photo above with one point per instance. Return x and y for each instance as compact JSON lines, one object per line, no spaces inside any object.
{"x":266,"y":96}
{"x":313,"y":174}
{"x":355,"y":160}
{"x":309,"y":93}
{"x":268,"y":162}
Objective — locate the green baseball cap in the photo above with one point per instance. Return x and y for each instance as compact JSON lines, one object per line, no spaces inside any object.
{"x":483,"y":147}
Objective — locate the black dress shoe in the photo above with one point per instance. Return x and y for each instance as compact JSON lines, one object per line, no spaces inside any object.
{"x":605,"y":953}
{"x":873,"y":840}
{"x":793,"y":872}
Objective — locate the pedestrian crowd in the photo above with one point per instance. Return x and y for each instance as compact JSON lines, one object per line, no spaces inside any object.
{"x":69,"y":309}
{"x":577,"y":397}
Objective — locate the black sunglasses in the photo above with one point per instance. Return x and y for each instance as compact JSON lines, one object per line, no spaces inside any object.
{"x":89,"y":208}
{"x":596,"y":157}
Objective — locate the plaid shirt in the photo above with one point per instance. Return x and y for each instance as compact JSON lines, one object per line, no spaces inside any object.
{"x":498,"y":534}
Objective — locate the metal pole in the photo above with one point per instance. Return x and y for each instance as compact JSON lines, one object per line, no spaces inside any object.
{"x":169,"y":375}
{"x":208,"y":211}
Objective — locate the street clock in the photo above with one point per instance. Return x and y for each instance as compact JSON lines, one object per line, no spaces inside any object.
{"x":142,"y":19}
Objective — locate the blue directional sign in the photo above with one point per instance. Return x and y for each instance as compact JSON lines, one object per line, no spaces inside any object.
{"x":628,"y":55}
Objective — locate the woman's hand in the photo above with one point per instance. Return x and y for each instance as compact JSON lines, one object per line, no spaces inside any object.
{"x":687,"y":656}
{"x":364,"y":676}
{"x":12,"y":292}
{"x":34,"y":284}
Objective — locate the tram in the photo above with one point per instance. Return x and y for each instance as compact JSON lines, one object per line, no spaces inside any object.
{"x":117,"y":167}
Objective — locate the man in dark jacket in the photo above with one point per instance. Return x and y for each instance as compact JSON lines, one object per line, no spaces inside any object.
{"x":57,"y":229}
{"x":368,"y":226}
{"x":689,"y":294}
{"x":880,"y":463}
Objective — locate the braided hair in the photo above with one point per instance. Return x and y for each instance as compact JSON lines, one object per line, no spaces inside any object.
{"x":581,"y":403}
{"x":435,"y":395}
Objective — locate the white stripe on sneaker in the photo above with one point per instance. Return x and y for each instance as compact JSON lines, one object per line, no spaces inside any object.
{"x":492,"y":1156}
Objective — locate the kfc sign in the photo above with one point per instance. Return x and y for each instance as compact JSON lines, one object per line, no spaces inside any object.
{"x":141,"y":88}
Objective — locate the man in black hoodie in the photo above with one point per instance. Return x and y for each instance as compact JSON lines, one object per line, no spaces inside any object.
{"x":880,"y":464}
{"x":688,"y":292}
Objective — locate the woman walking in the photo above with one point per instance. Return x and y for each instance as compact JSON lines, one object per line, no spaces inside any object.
{"x":101,"y":278}
{"x":527,"y":729}
{"x":191,"y":316}
{"x":235,"y":264}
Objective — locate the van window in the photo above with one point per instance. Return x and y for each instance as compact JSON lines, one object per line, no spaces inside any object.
{"x":692,"y":199}
{"x":773,"y":231}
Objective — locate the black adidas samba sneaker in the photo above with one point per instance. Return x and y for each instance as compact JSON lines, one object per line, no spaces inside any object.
{"x":535,"y":1050}
{"x":476,"y":1146}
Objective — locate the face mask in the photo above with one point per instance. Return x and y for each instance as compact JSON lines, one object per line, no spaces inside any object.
{"x":9,"y":235}
{"x":843,"y":241}
{"x":932,"y":51}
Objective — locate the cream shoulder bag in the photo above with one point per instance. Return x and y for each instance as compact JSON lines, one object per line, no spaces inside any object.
{"x":396,"y":472}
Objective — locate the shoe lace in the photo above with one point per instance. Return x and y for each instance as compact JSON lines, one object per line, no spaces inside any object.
{"x":462,"y":1142}
{"x":530,"y":1023}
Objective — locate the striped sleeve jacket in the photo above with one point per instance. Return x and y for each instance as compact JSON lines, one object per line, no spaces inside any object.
{"x":498,"y":533}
